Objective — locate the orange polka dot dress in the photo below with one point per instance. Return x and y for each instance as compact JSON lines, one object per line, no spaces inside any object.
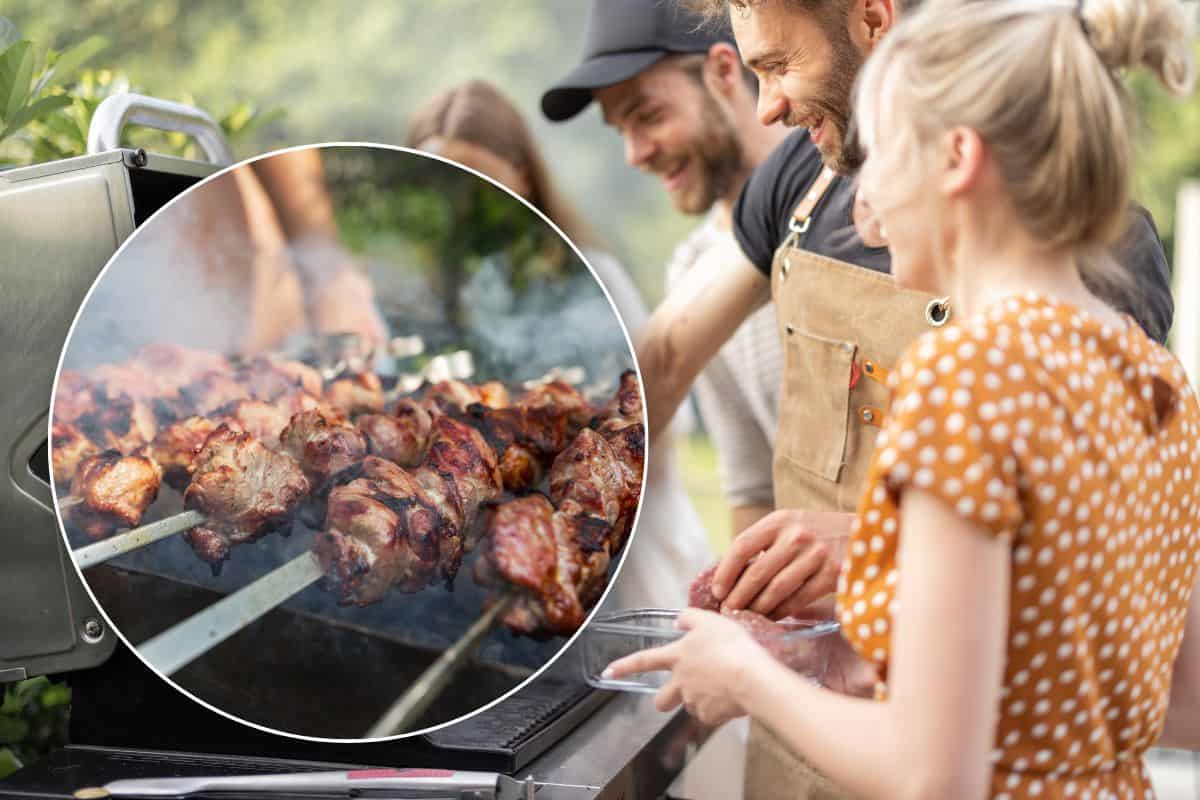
{"x":1079,"y":443}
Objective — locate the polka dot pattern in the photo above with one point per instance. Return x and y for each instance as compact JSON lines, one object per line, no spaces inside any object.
{"x":1079,"y":444}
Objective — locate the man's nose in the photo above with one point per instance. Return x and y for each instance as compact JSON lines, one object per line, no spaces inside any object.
{"x":638,"y":149}
{"x":772,"y":105}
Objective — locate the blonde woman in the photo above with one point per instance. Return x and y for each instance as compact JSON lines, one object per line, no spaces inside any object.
{"x":1022,"y":570}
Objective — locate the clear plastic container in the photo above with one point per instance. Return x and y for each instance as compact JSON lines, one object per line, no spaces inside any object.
{"x":616,"y":635}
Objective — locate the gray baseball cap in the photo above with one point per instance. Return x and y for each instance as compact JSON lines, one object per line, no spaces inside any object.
{"x":625,"y":37}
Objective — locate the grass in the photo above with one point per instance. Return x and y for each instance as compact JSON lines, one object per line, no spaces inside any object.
{"x":697,"y":460}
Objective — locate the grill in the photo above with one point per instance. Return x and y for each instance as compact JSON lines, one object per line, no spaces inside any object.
{"x":48,"y":624}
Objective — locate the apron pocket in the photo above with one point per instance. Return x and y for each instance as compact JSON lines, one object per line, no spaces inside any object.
{"x":815,"y":407}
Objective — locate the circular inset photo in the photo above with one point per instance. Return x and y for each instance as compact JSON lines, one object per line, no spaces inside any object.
{"x":347,"y":442}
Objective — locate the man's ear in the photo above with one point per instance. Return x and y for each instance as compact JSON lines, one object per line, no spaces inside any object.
{"x":870,"y":21}
{"x":722,"y":69}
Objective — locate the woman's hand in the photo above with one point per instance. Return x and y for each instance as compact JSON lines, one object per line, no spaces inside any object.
{"x":711,"y":667}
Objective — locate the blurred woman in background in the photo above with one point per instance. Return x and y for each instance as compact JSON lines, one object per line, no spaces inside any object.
{"x":475,"y":125}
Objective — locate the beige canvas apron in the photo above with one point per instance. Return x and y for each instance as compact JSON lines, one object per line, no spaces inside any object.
{"x":842,"y":327}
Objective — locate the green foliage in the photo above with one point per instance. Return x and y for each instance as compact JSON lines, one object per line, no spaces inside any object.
{"x":31,"y":80}
{"x":451,"y":221}
{"x":33,"y":719}
{"x":1168,"y":149}
{"x":355,"y":71}
{"x":65,"y":134}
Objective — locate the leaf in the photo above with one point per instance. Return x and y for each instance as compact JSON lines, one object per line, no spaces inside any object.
{"x":11,"y":88}
{"x":57,"y":694}
{"x":9,"y":763}
{"x":13,"y":730}
{"x":8,"y":33}
{"x":36,"y":111}
{"x":63,"y":68}
{"x":29,"y":690}
{"x":21,"y":80}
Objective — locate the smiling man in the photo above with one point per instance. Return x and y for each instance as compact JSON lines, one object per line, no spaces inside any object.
{"x":841,"y":319}
{"x":677,"y":94}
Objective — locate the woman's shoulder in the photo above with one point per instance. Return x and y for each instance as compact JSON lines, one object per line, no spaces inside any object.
{"x":1021,"y":339}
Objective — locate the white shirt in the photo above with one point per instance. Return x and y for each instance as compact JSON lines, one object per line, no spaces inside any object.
{"x":738,"y":392}
{"x":670,"y":544}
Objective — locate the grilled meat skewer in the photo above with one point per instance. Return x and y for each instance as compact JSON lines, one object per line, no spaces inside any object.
{"x":556,"y":551}
{"x":397,"y":529}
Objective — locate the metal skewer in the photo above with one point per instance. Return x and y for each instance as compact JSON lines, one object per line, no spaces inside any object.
{"x":70,"y":501}
{"x":176,"y":647}
{"x":404,"y":713}
{"x":141,"y":536}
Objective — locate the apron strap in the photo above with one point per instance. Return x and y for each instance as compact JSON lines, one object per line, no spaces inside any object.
{"x":802,"y":215}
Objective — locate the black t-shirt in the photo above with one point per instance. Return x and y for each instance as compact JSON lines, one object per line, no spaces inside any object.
{"x":764,"y":209}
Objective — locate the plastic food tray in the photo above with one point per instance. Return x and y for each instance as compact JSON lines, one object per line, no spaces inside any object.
{"x":616,"y":635}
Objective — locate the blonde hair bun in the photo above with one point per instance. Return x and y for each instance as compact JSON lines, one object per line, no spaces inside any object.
{"x":1154,"y":34}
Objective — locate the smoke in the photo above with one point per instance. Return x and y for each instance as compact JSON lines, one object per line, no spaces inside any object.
{"x":183,"y":279}
{"x":561,"y":322}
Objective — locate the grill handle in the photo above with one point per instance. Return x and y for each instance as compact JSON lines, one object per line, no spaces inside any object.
{"x":120,"y":110}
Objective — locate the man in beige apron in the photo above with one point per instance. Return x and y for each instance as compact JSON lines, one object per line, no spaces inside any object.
{"x":839,"y":343}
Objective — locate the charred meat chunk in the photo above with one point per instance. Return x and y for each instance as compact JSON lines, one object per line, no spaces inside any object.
{"x":69,"y":448}
{"x":550,"y":559}
{"x":361,"y":394}
{"x":400,"y":437}
{"x":244,"y":488}
{"x":271,"y":378}
{"x":324,"y":444}
{"x":175,"y":447}
{"x":382,"y":532}
{"x":114,"y":490}
{"x":123,"y":424}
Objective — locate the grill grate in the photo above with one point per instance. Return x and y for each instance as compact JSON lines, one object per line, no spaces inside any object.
{"x":511,"y":734}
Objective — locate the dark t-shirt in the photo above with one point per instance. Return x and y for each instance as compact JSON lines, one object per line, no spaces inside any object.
{"x":764,"y":209}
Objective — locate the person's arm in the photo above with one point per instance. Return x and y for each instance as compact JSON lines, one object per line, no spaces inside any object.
{"x":295,"y":181}
{"x":690,"y":326}
{"x":932,"y":738}
{"x":745,"y":516}
{"x":339,"y":296}
{"x":743,"y":448}
{"x":1182,"y":727}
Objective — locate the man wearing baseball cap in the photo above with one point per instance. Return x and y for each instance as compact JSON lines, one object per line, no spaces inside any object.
{"x":676,"y":92}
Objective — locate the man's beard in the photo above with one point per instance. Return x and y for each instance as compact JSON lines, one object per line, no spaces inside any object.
{"x":834,"y":104}
{"x":721,"y":159}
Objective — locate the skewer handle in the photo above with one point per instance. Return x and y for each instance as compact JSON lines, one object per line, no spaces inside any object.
{"x":114,"y":546}
{"x":70,"y":501}
{"x":176,"y":647}
{"x":404,"y":713}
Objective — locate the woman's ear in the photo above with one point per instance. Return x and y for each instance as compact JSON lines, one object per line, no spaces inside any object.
{"x":965,"y":154}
